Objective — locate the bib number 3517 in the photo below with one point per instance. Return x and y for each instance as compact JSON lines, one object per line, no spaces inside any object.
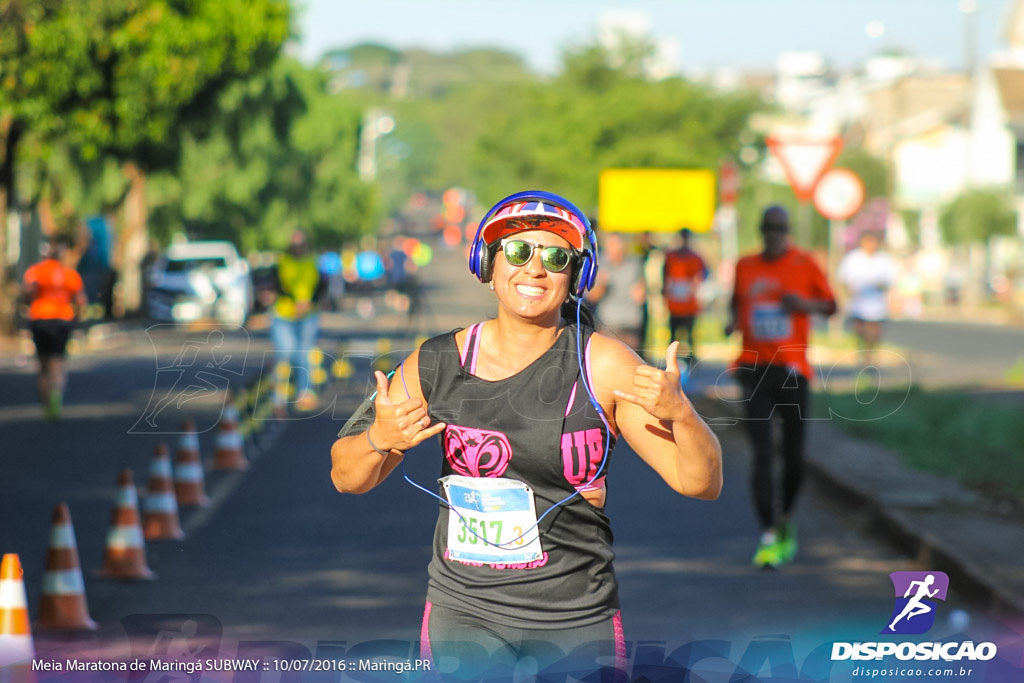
{"x":491,"y":520}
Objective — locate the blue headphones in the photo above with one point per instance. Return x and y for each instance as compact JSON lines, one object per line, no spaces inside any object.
{"x":481,"y":255}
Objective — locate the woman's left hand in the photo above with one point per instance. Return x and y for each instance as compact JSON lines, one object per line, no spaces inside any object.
{"x":658,"y":391}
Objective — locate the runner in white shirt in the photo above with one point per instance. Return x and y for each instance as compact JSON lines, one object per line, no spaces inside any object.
{"x":866,"y":274}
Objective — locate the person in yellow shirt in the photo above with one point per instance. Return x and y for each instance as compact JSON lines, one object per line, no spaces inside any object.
{"x":295,"y":321}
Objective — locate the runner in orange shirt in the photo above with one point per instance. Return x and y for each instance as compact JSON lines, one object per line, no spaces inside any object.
{"x":775,"y":293}
{"x":682,"y":274}
{"x":55,"y":294}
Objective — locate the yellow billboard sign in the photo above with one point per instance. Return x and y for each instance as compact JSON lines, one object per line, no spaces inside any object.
{"x":656,"y":199}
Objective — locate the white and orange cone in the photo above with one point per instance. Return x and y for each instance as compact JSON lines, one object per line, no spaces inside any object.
{"x":126,"y":549}
{"x":62,"y":604}
{"x":229,"y":446}
{"x":189,"y":482}
{"x":160,"y":506}
{"x":16,"y":647}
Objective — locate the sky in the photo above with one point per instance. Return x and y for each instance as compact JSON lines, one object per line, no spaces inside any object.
{"x":702,"y":34}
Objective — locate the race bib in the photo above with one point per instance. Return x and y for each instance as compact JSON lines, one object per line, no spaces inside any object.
{"x":770,"y":322}
{"x":492,"y":520}
{"x":679,"y":289}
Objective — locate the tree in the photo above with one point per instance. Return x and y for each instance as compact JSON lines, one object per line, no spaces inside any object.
{"x":279,"y":154}
{"x":872,"y":171}
{"x":125,"y":79}
{"x":977,"y":215}
{"x":598,"y":115}
{"x":480,"y":121}
{"x":366,"y":65}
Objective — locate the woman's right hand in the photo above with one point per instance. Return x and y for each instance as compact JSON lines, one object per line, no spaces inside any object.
{"x":400,"y":426}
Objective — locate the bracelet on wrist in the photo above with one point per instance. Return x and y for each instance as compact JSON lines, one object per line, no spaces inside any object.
{"x":373,"y":445}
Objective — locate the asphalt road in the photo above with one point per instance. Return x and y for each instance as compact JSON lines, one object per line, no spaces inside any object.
{"x":282,"y":564}
{"x":960,"y":354}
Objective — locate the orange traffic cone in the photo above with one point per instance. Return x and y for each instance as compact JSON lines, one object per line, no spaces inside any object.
{"x":189,"y":487}
{"x":228,"y":451}
{"x":126,"y":550}
{"x":160,"y":507}
{"x":62,"y":603}
{"x":16,"y":647}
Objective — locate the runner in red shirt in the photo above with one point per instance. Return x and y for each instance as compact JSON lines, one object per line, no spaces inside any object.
{"x":775,"y":293}
{"x":55,"y":293}
{"x":682,"y":274}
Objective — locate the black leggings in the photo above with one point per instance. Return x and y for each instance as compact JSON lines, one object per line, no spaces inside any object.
{"x":466,"y":648}
{"x":681,"y":329}
{"x":774,"y":391}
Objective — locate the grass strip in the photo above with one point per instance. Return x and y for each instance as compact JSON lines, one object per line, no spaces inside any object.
{"x":944,"y":432}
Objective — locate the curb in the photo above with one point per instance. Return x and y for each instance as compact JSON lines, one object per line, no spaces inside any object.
{"x":894,"y":500}
{"x":902,"y":524}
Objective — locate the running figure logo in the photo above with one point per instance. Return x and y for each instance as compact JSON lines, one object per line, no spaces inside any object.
{"x":916,"y":592}
{"x":201,"y":373}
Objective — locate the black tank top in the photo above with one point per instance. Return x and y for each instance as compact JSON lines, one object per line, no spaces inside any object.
{"x":539,"y":427}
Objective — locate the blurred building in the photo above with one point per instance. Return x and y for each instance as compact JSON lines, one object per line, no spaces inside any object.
{"x":941,"y":132}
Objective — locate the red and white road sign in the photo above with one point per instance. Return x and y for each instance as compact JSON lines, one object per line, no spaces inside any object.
{"x":839,"y":194}
{"x":804,"y":161}
{"x":728,"y":182}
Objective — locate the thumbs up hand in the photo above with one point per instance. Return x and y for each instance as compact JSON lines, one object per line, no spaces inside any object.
{"x":658,"y":391}
{"x":400,"y":426}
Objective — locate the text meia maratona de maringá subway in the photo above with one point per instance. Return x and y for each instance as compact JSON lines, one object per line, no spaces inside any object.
{"x":187,"y":666}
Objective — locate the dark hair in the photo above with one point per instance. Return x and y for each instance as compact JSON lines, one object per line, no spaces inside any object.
{"x":586,"y":314}
{"x":775,"y":217}
{"x":776,"y":213}
{"x":62,"y":240}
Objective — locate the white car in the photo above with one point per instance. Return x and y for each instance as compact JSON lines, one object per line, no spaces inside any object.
{"x":195,"y":281}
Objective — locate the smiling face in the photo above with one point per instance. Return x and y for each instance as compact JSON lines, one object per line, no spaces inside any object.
{"x":530,"y":291}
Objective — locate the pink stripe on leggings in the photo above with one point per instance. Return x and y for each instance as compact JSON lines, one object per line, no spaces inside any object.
{"x":425,"y":652}
{"x":620,"y":645}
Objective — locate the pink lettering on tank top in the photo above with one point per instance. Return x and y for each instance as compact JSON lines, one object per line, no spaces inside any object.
{"x":582,"y":452}
{"x":502,"y":565}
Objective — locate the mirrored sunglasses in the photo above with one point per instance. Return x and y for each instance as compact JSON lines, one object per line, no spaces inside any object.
{"x":519,"y":252}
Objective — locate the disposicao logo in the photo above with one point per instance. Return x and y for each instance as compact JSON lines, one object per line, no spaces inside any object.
{"x":916,"y":595}
{"x":913,"y":613}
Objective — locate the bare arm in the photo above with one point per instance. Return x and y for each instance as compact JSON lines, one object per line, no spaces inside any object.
{"x":81,"y":302}
{"x":794,"y":303}
{"x":362,"y":460}
{"x":657,"y":419}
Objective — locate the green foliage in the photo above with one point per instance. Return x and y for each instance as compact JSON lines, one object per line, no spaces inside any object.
{"x":366,"y":65}
{"x":936,"y":431}
{"x":478,"y":120}
{"x":809,"y":228}
{"x":597,"y":68}
{"x":757,"y":195}
{"x":124,"y":76}
{"x":871,"y":170}
{"x":977,"y":215}
{"x":248,"y":158}
{"x":279,"y":155}
{"x":561,"y":135}
{"x":432,"y":75}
